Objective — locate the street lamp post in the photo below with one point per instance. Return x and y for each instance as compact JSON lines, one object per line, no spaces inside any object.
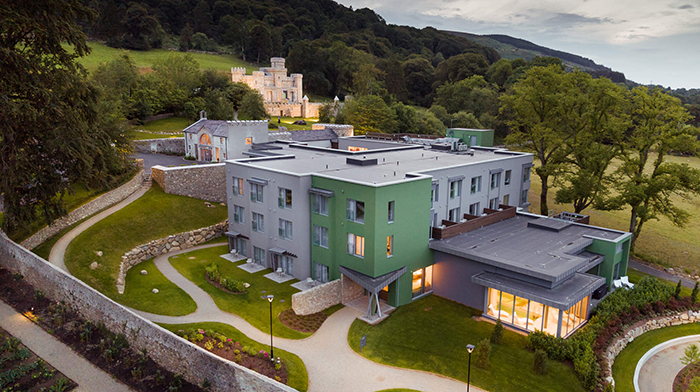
{"x":470,"y":348}
{"x":452,"y":119}
{"x":272,"y":350}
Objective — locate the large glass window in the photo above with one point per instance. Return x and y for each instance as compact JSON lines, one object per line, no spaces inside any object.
{"x":422,"y":281}
{"x":356,"y":245}
{"x":240,"y":246}
{"x":321,"y":272}
{"x":285,"y":198}
{"x":256,"y":193}
{"x":534,"y":316}
{"x":320,"y":205}
{"x":259,"y":255}
{"x":356,"y":211}
{"x":321,"y":236}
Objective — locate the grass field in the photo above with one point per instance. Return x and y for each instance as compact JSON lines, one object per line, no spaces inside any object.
{"x":154,"y":215}
{"x":430,"y":334}
{"x":250,"y":306}
{"x":288,"y":123}
{"x":159,"y":129}
{"x":626,"y":361}
{"x":101,"y":53}
{"x":660,"y":241}
{"x":298,"y":376}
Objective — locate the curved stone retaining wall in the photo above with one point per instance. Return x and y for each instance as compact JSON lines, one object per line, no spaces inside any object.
{"x":170,"y":351}
{"x":97,"y":204}
{"x":619,"y":344}
{"x":169,"y":244}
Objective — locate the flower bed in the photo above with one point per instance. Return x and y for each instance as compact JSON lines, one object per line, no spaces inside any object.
{"x":225,"y":283}
{"x":683,"y":379}
{"x":249,"y":356}
{"x":310,"y":323}
{"x":621,"y":309}
{"x":22,"y":370}
{"x":96,"y":343}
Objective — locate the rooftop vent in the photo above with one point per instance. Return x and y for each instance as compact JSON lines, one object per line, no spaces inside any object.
{"x":361,"y":161}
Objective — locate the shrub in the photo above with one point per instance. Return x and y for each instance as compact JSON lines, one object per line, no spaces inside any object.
{"x":677,"y":292}
{"x":278,"y":379}
{"x":586,"y":368}
{"x":252,"y":352}
{"x":213,"y":273}
{"x":483,"y":354}
{"x":278,"y":366}
{"x":555,"y":348}
{"x":540,"y":365}
{"x":694,"y":385}
{"x":609,"y":388}
{"x":17,"y":277}
{"x":497,"y":333}
{"x":209,"y":345}
{"x":659,"y":307}
{"x":694,"y":294}
{"x":238,"y":358}
{"x":236,"y":351}
{"x":692,"y":355}
{"x":39,"y":295}
{"x":220,"y":345}
{"x":237,"y":286}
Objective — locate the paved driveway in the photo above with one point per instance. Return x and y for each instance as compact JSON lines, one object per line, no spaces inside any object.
{"x":150,"y":160}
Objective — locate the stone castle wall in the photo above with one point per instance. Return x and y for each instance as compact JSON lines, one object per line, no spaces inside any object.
{"x":342,"y":130}
{"x":326,"y":295}
{"x":169,"y":244}
{"x":174,"y":145}
{"x":619,"y":344}
{"x":170,"y":351}
{"x":93,"y":206}
{"x":205,"y":182}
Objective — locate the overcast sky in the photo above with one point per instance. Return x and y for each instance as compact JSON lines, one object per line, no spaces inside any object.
{"x":651,"y":41}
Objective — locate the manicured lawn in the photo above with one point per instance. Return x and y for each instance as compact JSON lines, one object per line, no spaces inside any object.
{"x":626,"y":361}
{"x":170,"y":299}
{"x":298,"y":377}
{"x":250,"y":306}
{"x":635,"y":276}
{"x":288,"y":122}
{"x":431,"y":334}
{"x":154,"y":215}
{"x":102,"y":53}
{"x":660,"y":242}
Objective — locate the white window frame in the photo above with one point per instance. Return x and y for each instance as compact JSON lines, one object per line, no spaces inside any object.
{"x":256,"y":193}
{"x":238,"y":186}
{"x":320,"y":205}
{"x":285,"y":229}
{"x":352,"y":209}
{"x":258,"y":223}
{"x":238,"y":214}
{"x":282,"y":198}
{"x":356,"y":245}
{"x":475,"y":185}
{"x":320,"y":236}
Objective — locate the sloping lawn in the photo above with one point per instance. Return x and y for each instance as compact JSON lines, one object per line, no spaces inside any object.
{"x":626,"y":361}
{"x":101,"y":53}
{"x":635,"y":276}
{"x":288,"y":122}
{"x":431,"y":334}
{"x":298,"y":377}
{"x":154,"y":215}
{"x":251,"y":306}
{"x":151,"y":128}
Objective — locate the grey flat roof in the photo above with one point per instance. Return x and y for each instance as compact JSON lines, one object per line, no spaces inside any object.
{"x":392,"y":166}
{"x":533,"y":245}
{"x":563,"y":296}
{"x":313,"y":135}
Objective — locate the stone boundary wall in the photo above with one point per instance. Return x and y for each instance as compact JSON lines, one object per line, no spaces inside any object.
{"x":280,"y":135}
{"x":169,"y":244}
{"x":170,"y":351}
{"x":173,"y":145}
{"x":97,"y":204}
{"x":628,"y":336}
{"x":206,"y":182}
{"x":326,"y":295}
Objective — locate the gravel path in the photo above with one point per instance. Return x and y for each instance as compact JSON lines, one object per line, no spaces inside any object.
{"x":88,"y":377}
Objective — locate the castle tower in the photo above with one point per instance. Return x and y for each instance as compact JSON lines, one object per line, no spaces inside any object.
{"x":237,"y":74}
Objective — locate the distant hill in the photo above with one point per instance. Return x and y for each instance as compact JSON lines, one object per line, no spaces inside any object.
{"x":512,"y":48}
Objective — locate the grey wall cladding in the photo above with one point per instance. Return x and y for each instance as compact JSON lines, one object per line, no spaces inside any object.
{"x":173,"y":353}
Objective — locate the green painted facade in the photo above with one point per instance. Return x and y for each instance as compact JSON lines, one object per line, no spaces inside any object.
{"x":615,"y":253}
{"x":410,"y":230}
{"x":484,"y":137}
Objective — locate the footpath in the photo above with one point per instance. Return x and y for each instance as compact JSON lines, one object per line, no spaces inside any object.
{"x":88,"y":377}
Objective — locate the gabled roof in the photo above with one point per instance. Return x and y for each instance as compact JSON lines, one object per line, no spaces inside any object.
{"x":216,"y":128}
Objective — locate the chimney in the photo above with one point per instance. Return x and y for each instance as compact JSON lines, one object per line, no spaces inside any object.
{"x":202,"y":115}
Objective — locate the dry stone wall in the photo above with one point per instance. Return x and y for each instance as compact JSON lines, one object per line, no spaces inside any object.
{"x":169,"y":244}
{"x":174,"y":145}
{"x":206,"y":182}
{"x":619,"y":344}
{"x":326,"y":295}
{"x":170,"y":351}
{"x":99,"y":203}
